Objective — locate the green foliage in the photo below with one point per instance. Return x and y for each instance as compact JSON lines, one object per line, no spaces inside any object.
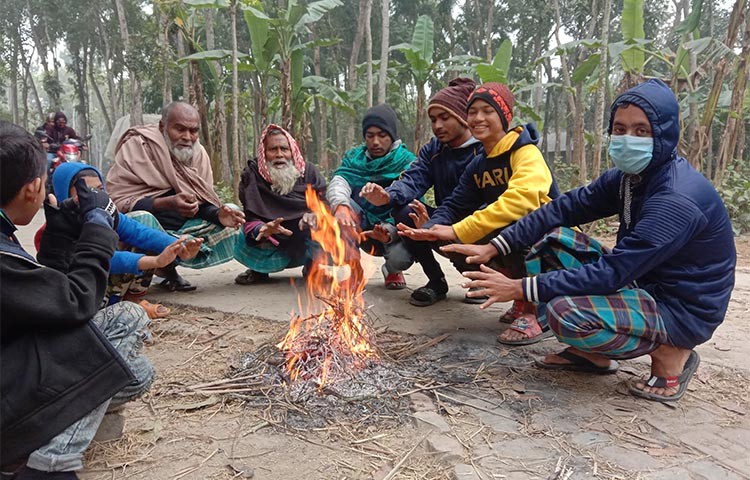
{"x":735,"y":191}
{"x":497,"y":71}
{"x":419,"y":52}
{"x":225,"y":192}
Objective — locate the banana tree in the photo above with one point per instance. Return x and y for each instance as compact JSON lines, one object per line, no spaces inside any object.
{"x":278,"y":47}
{"x":421,"y":67}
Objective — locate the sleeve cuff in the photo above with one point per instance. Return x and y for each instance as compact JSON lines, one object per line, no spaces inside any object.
{"x":501,"y":245}
{"x":530,"y":289}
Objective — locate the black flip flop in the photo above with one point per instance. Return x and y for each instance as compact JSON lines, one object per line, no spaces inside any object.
{"x":177,"y":284}
{"x":682,"y":380}
{"x":577,"y":364}
{"x":425,"y":296}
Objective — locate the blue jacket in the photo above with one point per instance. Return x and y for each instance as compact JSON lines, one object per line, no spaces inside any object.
{"x":437,"y":165}
{"x":131,"y":232}
{"x":675,"y":238}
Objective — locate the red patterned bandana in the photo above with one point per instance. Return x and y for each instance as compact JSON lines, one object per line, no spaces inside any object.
{"x":499,"y":96}
{"x":297,"y":159}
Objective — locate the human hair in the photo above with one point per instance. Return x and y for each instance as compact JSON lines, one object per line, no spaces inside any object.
{"x":167,"y":110}
{"x":22,"y":159}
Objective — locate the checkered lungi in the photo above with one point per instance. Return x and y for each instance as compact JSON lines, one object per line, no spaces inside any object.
{"x":218,"y":242}
{"x":624,"y":324}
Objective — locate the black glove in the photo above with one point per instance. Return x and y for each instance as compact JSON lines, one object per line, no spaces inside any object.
{"x":90,"y":200}
{"x":63,"y":219}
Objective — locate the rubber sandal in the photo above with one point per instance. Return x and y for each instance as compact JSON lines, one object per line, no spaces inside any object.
{"x":393,"y":281}
{"x":515,"y":311}
{"x":577,"y":364}
{"x":426,"y":296}
{"x":475,"y":300}
{"x":251,"y":277}
{"x":155,"y":310}
{"x":682,"y":380}
{"x":533,"y":331}
{"x":177,"y":284}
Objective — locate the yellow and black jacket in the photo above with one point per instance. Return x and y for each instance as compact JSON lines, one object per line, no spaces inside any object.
{"x":499,"y":188}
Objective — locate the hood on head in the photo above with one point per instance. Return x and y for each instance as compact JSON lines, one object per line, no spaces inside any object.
{"x":660,"y":105}
{"x":63,"y":176}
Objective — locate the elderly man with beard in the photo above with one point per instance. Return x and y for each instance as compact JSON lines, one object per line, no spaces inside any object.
{"x":162,"y":177}
{"x":272,"y":191}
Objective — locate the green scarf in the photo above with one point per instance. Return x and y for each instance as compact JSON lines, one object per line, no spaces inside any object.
{"x":357,"y":169}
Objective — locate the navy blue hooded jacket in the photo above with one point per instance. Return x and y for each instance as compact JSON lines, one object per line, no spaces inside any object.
{"x":130,"y":231}
{"x":437,"y":165}
{"x":675,"y":238}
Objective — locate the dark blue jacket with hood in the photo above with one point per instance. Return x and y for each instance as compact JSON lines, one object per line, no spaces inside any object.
{"x":675,"y":238}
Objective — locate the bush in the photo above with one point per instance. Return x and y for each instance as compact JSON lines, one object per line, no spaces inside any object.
{"x":735,"y":191}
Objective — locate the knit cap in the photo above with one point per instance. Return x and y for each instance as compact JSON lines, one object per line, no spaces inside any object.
{"x":383,"y":117}
{"x":499,"y":96}
{"x":453,"y":99}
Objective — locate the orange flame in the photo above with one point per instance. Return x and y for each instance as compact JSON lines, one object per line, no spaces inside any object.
{"x":337,"y":337}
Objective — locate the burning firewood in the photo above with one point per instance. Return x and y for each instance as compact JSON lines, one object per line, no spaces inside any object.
{"x":326,"y":345}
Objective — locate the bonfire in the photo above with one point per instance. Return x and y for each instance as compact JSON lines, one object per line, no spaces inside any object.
{"x":329,"y":345}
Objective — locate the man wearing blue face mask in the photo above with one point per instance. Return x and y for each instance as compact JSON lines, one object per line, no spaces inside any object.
{"x":665,"y":286}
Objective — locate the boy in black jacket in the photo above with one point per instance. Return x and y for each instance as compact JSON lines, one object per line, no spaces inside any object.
{"x":62,"y":363}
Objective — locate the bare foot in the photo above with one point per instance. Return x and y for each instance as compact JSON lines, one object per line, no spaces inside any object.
{"x":595,"y":358}
{"x":514,"y":335}
{"x":666,"y":361}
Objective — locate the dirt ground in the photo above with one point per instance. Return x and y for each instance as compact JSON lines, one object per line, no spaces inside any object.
{"x":507,"y":419}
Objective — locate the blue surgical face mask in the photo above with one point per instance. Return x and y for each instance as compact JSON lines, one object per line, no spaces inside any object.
{"x":631,"y":154}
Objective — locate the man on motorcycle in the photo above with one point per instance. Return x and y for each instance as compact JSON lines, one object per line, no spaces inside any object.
{"x":60,"y":131}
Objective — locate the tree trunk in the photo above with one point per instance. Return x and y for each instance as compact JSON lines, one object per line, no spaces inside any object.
{"x":368,"y":50}
{"x":385,"y":35}
{"x":34,"y":92}
{"x":699,"y":142}
{"x":287,"y":120}
{"x":220,"y":158}
{"x":136,"y":112}
{"x":200,"y":104}
{"x":599,"y":120}
{"x":164,"y":23}
{"x":320,"y":113}
{"x":100,"y":99}
{"x":235,"y":104}
{"x":418,"y":128}
{"x":187,"y":93}
{"x":578,"y":155}
{"x":488,"y":30}
{"x":354,"y":57}
{"x":13,"y":93}
{"x":734,"y":119}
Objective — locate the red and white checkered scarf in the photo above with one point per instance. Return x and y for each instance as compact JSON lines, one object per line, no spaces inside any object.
{"x":297,"y":159}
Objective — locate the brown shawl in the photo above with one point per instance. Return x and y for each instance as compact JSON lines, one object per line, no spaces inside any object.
{"x":144,"y":168}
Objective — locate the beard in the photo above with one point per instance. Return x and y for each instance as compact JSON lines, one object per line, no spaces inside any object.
{"x":283,"y":179}
{"x":184,"y":155}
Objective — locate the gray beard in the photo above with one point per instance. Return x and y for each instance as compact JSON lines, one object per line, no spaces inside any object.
{"x":283,"y":179}
{"x":182,"y":155}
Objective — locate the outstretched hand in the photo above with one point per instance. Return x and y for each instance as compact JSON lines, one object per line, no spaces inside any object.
{"x":375,"y":194}
{"x":190,"y":247}
{"x":308,"y":221}
{"x":346,"y":217}
{"x":273,"y":227}
{"x":419,"y":215}
{"x":475,"y":254}
{"x":379,"y":233}
{"x":493,"y":284}
{"x":229,"y":217}
{"x":432,"y":234}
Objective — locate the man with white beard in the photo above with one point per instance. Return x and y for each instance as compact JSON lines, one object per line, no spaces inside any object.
{"x":162,"y":177}
{"x":272,"y":191}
